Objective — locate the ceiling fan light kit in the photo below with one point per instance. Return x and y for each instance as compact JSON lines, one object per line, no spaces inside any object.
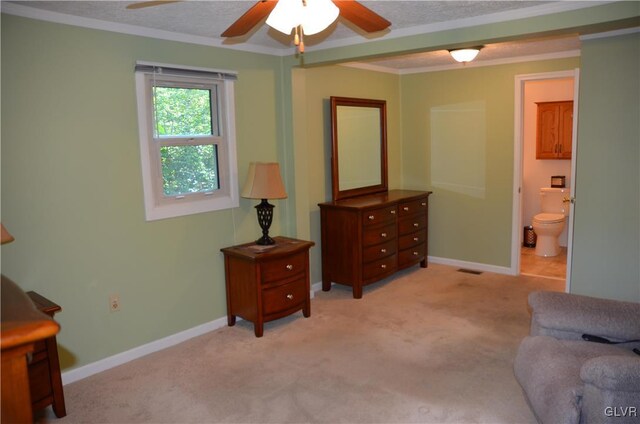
{"x":303,"y":17}
{"x":313,"y":16}
{"x":465,"y":55}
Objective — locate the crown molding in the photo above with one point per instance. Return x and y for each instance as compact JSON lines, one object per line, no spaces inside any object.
{"x":62,"y":18}
{"x":458,"y":66}
{"x":608,"y":34}
{"x":45,"y":15}
{"x":493,"y":18}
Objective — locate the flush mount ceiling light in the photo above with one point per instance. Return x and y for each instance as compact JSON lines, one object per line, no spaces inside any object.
{"x":465,"y":55}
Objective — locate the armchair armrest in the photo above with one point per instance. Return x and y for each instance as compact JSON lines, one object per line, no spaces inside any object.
{"x":613,"y":372}
{"x":611,"y":390}
{"x":569,"y":316}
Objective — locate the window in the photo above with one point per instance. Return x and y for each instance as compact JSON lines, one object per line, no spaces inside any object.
{"x":187,"y":139}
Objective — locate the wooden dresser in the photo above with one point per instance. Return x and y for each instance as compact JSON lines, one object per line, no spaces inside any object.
{"x":265,"y":283}
{"x":45,"y":381}
{"x":368,"y":238}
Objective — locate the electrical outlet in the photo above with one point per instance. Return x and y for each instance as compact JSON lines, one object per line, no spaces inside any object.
{"x":114,"y":303}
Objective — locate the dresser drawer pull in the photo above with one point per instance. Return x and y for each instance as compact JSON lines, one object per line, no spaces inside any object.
{"x":383,"y":235}
{"x":383,"y":250}
{"x":424,"y":203}
{"x":416,"y":239}
{"x":290,"y":296}
{"x":289,"y":267}
{"x":406,"y":208}
{"x":415,"y":253}
{"x":392,"y":211}
{"x":383,"y":266}
{"x":372,"y":217}
{"x":415,"y":224}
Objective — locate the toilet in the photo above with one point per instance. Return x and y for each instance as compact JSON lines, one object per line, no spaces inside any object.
{"x":549,"y":223}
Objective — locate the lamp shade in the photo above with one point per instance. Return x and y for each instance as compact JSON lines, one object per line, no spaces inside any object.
{"x":264,"y":182}
{"x":465,"y":55}
{"x":5,"y":237}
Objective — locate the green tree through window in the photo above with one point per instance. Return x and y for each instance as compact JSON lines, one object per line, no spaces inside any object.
{"x":186,"y":112}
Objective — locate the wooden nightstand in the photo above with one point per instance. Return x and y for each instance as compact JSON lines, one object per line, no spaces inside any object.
{"x":265,"y":283}
{"x":45,"y":382}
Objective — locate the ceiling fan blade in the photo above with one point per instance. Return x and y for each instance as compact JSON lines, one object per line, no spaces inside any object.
{"x":361,"y":16}
{"x":144,"y":4}
{"x":251,"y":18}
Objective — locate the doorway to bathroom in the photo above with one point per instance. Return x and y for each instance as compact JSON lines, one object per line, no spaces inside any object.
{"x":534,"y":169}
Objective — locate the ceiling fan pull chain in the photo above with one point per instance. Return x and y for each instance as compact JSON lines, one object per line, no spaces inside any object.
{"x":301,"y":46}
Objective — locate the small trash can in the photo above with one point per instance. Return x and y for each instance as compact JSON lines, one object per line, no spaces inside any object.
{"x":530,"y":237}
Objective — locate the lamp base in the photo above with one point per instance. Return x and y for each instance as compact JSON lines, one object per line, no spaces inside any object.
{"x":265,"y":241}
{"x":265,"y":215}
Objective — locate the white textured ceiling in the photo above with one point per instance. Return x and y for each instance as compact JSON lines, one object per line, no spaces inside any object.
{"x":206,"y":20}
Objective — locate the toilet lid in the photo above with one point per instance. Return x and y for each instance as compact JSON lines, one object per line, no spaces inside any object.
{"x":549,"y":218}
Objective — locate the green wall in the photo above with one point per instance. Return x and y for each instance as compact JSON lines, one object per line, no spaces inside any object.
{"x":606,"y":245}
{"x":72,"y":188}
{"x":458,"y":128}
{"x":312,"y":137}
{"x":72,"y":191}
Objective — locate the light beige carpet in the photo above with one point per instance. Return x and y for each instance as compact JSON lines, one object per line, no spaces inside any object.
{"x":428,"y":346}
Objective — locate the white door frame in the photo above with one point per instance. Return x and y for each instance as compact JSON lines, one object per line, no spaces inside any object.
{"x":516,"y":230}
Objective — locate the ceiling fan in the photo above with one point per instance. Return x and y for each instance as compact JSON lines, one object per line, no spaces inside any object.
{"x":351,"y":10}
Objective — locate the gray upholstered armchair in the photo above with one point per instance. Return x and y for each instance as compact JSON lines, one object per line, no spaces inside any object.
{"x":568,"y":380}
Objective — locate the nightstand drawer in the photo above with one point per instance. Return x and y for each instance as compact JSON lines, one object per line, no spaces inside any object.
{"x":279,"y":269}
{"x":379,"y":216}
{"x":284,"y":297}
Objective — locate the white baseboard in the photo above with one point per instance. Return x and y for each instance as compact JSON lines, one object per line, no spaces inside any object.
{"x":88,"y":370}
{"x":471,"y":265}
{"x":137,"y":352}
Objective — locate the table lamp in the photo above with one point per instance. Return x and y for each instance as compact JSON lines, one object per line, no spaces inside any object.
{"x":5,"y":236}
{"x":264,"y":182}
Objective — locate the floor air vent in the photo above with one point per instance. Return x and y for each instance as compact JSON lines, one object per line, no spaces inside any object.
{"x":470,"y":271}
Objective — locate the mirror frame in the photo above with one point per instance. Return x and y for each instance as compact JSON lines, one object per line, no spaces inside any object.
{"x":381,"y":105}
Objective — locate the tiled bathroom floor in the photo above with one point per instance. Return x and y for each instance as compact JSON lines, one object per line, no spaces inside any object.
{"x":553,"y":267}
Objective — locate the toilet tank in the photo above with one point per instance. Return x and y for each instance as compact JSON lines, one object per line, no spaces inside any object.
{"x":551,"y":199}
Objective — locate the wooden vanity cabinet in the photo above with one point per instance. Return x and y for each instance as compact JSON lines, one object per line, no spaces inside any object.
{"x":554,"y":130}
{"x":368,"y":238}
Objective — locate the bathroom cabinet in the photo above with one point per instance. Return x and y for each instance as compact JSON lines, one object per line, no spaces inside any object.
{"x":554,"y":130}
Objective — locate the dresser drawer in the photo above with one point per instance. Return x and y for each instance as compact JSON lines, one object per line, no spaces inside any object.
{"x":374,"y":253}
{"x":39,"y":380}
{"x":278,"y":269}
{"x":284,"y":297}
{"x":371,"y":236}
{"x":379,"y":216}
{"x":412,"y":223}
{"x":408,"y":240}
{"x":413,"y":207}
{"x":411,"y":256}
{"x":383,"y":266}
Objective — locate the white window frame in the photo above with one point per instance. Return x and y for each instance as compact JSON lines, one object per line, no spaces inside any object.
{"x":157,"y":204}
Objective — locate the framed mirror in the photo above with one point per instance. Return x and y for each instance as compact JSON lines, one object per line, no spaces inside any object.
{"x":358,"y":147}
